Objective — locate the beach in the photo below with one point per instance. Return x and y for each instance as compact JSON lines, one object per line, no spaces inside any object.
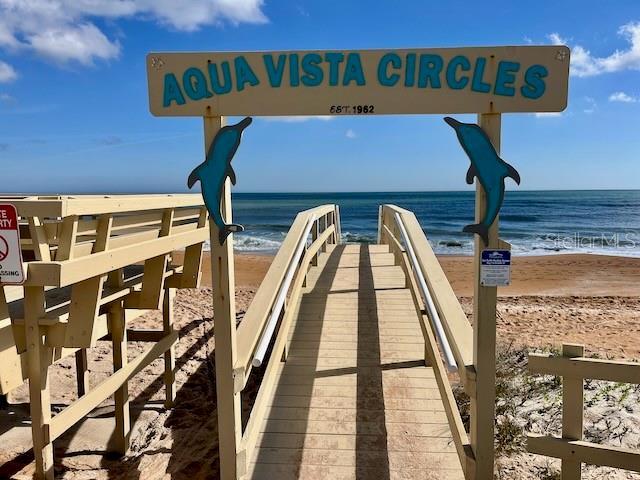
{"x":553,"y":299}
{"x":574,"y":298}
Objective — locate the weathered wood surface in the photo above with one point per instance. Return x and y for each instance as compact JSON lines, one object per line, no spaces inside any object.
{"x":354,"y":398}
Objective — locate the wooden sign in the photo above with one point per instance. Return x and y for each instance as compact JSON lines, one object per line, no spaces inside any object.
{"x":366,"y":82}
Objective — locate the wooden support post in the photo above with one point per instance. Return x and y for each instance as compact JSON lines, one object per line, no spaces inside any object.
{"x":572,"y":412}
{"x":322,"y":221}
{"x":224,"y":308}
{"x":484,"y":331}
{"x":82,"y":371}
{"x":38,"y":356}
{"x":121,"y":396}
{"x":170,"y":354}
{"x":314,"y":236}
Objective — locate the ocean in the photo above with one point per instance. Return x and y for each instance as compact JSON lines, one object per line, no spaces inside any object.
{"x":535,"y":223}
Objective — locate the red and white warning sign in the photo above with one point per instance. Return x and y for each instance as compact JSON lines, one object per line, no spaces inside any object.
{"x":11,"y":270}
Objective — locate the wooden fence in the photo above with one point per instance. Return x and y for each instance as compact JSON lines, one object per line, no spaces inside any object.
{"x":92,"y":264}
{"x":574,"y":368}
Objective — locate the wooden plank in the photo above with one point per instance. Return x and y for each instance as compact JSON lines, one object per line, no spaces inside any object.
{"x":482,"y":409}
{"x":170,"y":354}
{"x":356,"y":414}
{"x":82,"y":371}
{"x":39,"y":239}
{"x":67,"y":240}
{"x":345,"y":458}
{"x":584,"y":452}
{"x":313,"y":472}
{"x":368,"y":443}
{"x":76,"y":411}
{"x":580,"y":367}
{"x":60,"y":274}
{"x":572,"y":412}
{"x":38,"y":358}
{"x":83,"y":311}
{"x":116,"y":319}
{"x":224,"y":306}
{"x":353,"y":428}
{"x":368,"y":403}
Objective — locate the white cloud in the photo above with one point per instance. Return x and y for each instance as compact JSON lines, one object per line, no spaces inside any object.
{"x":622,"y":97}
{"x":585,"y":64}
{"x":82,"y":44}
{"x":548,"y":114}
{"x":350,"y":134}
{"x":6,"y":98}
{"x":7,"y":73}
{"x":65,"y":31}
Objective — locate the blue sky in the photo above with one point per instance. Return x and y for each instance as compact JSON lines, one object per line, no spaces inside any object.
{"x":74,"y":111}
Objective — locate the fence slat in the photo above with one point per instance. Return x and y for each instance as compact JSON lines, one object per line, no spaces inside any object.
{"x":587,"y":452}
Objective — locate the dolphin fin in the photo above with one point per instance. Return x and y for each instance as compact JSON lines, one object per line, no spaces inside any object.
{"x":512,"y":173}
{"x":224,"y":232}
{"x":194,"y":176}
{"x":471,"y":173}
{"x":232,"y":175}
{"x":479,"y":228}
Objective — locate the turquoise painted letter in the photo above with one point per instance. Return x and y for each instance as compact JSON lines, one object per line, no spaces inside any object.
{"x":172,"y":91}
{"x":244,"y":74}
{"x":195,"y":84}
{"x":274,"y":72}
{"x":505,"y":78}
{"x":534,"y":79}
{"x":294,"y":73}
{"x":334,"y":59}
{"x":353,"y":70}
{"x":477,"y":85}
{"x":313,"y":74}
{"x":220,"y":88}
{"x":429,"y":71}
{"x":383,"y":68}
{"x":410,"y":70}
{"x":459,"y":62}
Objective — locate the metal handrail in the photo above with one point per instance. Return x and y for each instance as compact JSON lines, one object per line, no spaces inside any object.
{"x":270,"y":327}
{"x":432,"y":312}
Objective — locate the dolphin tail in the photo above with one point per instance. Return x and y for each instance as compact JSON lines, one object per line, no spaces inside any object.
{"x":479,"y":228}
{"x":194,"y":176}
{"x":224,"y":232}
{"x":513,"y":173}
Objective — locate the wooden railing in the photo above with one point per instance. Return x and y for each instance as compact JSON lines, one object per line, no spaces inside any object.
{"x":400,"y":229}
{"x":268,"y":318}
{"x":574,"y":368}
{"x":92,"y":263}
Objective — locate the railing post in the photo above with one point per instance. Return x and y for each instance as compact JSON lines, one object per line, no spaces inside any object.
{"x":380,"y":223}
{"x":337,"y":224}
{"x":224,"y":306}
{"x":484,"y":331}
{"x":314,"y":236}
{"x":572,"y":412}
{"x":323,"y":227}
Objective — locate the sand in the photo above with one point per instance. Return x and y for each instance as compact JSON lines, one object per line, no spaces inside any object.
{"x":577,"y":298}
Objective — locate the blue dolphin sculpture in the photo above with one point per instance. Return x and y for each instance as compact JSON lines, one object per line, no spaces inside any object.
{"x":488,"y":167}
{"x":213,"y":173}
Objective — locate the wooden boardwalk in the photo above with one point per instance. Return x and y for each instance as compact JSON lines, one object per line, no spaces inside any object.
{"x":354,"y":398}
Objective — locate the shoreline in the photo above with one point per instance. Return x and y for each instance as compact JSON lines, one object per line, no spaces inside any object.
{"x":567,"y":274}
